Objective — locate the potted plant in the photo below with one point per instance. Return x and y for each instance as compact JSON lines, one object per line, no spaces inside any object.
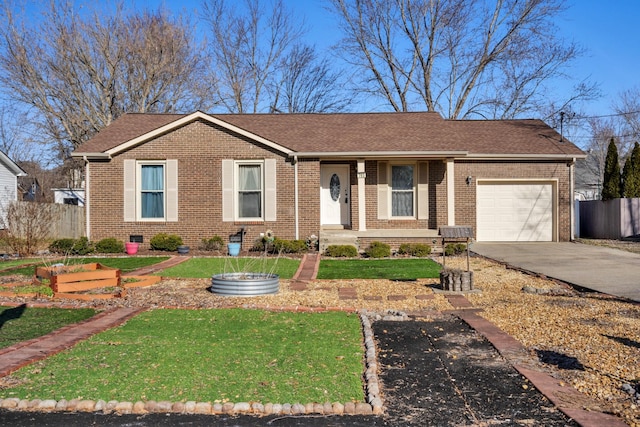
{"x":131,"y":248}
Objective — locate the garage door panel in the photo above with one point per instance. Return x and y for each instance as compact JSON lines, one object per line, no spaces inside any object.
{"x":515,"y":212}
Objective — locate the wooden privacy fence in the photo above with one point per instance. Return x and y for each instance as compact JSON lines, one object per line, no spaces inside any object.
{"x":610,"y":219}
{"x":65,"y":221}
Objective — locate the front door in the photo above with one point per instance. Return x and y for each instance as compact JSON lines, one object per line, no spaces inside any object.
{"x":335,"y":196}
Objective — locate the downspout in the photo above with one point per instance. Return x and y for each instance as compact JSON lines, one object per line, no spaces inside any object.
{"x":295,"y":196}
{"x":572,"y":200}
{"x":87,"y":215}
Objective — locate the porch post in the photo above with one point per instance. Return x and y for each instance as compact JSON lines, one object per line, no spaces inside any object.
{"x":451,"y":194}
{"x":362,"y":212}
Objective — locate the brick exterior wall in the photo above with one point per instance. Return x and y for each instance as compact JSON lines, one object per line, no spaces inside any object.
{"x":200,"y":147}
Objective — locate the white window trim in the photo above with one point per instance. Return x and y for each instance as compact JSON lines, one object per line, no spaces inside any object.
{"x":139,"y":164}
{"x":236,"y":189}
{"x":414,"y":190}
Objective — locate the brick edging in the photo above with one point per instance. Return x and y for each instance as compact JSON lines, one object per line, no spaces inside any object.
{"x":513,"y":351}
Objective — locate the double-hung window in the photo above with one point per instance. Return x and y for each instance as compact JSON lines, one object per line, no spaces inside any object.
{"x":250,"y":190}
{"x":402,"y":191}
{"x":152,"y":191}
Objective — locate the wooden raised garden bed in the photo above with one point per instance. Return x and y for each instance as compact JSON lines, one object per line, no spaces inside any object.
{"x":78,"y":278}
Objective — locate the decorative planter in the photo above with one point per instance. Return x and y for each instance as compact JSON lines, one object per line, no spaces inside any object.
{"x":77,"y":278}
{"x":234,"y":248}
{"x":245,"y":284}
{"x":131,"y":248}
{"x":456,"y":280}
{"x":183,"y":250}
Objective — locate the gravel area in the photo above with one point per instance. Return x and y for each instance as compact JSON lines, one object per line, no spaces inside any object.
{"x":588,"y":340}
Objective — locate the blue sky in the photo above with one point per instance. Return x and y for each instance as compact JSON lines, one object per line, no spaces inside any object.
{"x":608,"y":29}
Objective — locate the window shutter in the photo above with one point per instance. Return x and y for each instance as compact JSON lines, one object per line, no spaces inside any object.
{"x":228,"y":206}
{"x":129,"y":190}
{"x":383,"y":191}
{"x":172,"y":190}
{"x":270,"y":190}
{"x":423,"y":190}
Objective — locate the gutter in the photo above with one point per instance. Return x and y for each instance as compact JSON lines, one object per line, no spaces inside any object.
{"x":91,"y":156}
{"x":380,"y":154}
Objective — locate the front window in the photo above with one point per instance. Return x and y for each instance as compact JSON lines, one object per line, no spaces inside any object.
{"x":402,"y":191}
{"x":250,"y":186}
{"x":152,"y":186}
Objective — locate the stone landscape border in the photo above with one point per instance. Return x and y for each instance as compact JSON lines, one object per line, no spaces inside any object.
{"x":372,"y":406}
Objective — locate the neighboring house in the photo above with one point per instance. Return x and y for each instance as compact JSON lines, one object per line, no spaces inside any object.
{"x":68,"y":196}
{"x":393,"y":177}
{"x":9,"y":173}
{"x":30,"y":189}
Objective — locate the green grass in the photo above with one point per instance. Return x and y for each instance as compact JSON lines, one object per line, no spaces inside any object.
{"x":16,"y":262}
{"x":402,"y":269}
{"x":208,"y":355}
{"x":207,"y":267}
{"x":125,"y":264}
{"x":24,"y":323}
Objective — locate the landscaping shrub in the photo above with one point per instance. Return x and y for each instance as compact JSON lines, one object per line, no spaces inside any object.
{"x":378,"y":250}
{"x":455,"y":248}
{"x":61,"y":246}
{"x":415,"y":249}
{"x":80,"y":246}
{"x":110,"y":245}
{"x":341,"y":251}
{"x":213,"y":244}
{"x":165,"y":242}
{"x":289,"y":246}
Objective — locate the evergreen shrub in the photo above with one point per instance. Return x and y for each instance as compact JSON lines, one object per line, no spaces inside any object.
{"x":378,"y":250}
{"x":165,"y":242}
{"x":110,"y":245}
{"x":341,"y":251}
{"x":415,"y":249}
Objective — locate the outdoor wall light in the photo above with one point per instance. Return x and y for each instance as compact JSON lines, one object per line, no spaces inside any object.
{"x":469,"y":179}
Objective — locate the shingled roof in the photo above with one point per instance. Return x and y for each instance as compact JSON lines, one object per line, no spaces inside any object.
{"x":363,"y":133}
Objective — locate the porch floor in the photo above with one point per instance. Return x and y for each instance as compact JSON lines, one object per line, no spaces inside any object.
{"x":332,"y":236}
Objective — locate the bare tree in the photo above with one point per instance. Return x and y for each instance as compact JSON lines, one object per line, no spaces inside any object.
{"x":628,"y":110}
{"x":309,"y":84}
{"x":462,"y":58}
{"x":15,"y":140}
{"x":248,"y":48}
{"x":79,"y":72}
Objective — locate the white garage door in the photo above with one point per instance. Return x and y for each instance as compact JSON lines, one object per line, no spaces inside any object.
{"x":515,"y":212}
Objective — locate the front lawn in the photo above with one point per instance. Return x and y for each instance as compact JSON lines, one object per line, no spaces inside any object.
{"x":401,"y":269}
{"x":24,"y":323}
{"x":125,"y":264}
{"x":232,"y":355}
{"x":207,"y":267}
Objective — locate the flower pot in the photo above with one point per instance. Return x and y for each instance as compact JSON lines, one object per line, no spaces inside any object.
{"x":131,"y":248}
{"x":183,"y":250}
{"x":234,"y":248}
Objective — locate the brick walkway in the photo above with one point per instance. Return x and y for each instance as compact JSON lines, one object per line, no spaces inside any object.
{"x":174,"y":260}
{"x":24,"y":353}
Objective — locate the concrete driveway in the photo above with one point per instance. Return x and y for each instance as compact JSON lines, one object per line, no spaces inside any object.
{"x":606,"y":270}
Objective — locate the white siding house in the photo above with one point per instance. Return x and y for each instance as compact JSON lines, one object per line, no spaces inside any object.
{"x":9,"y":173}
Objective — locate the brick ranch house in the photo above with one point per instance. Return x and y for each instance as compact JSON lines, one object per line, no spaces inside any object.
{"x":346,"y":178}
